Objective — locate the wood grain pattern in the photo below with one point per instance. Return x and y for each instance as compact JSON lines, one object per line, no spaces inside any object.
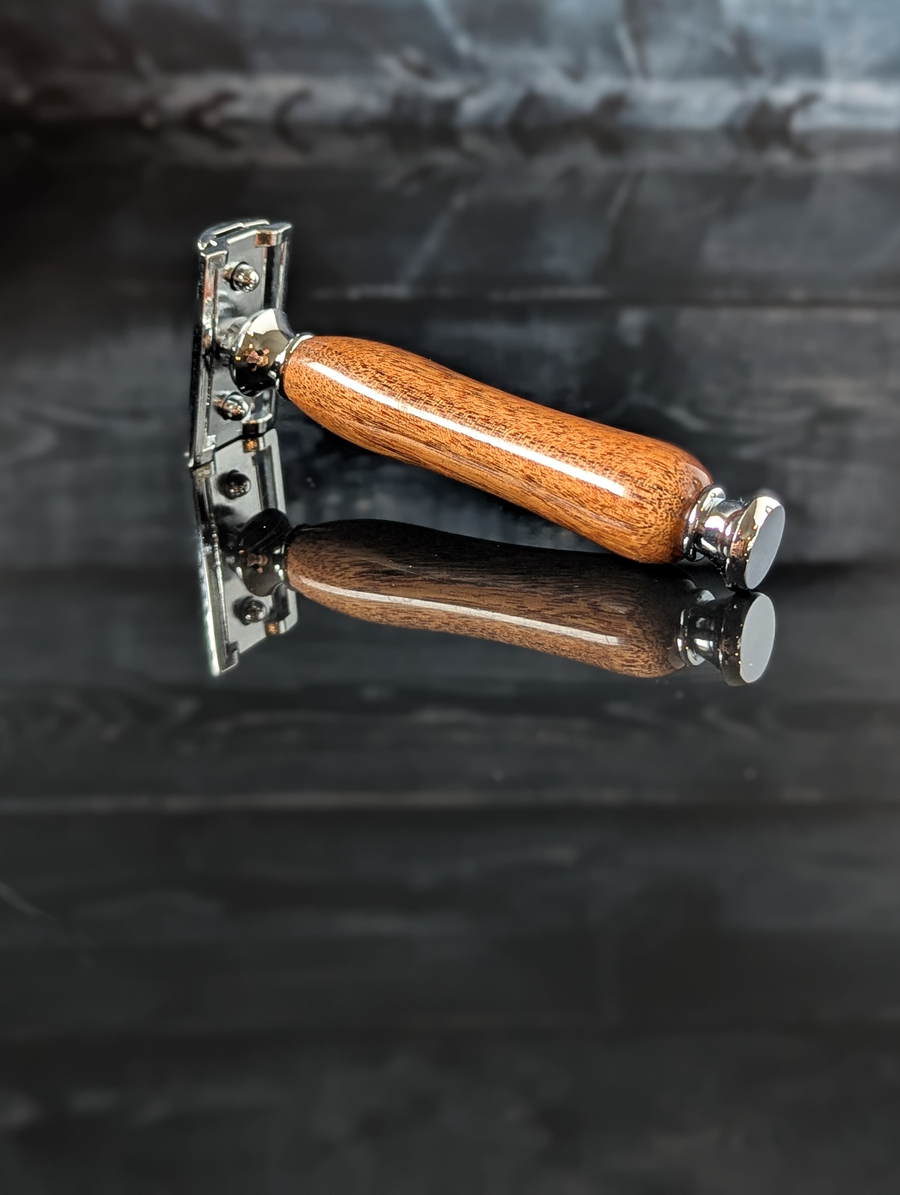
{"x":627,"y":492}
{"x":595,"y":609}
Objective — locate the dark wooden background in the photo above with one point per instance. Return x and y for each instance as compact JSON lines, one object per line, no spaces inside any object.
{"x":387,"y":911}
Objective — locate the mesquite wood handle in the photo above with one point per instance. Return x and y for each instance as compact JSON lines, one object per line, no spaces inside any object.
{"x":628,"y":492}
{"x":595,"y":609}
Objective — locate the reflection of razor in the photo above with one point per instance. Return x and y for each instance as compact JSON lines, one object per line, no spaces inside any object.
{"x":239,"y":484}
{"x":598,"y":609}
{"x":640,"y":497}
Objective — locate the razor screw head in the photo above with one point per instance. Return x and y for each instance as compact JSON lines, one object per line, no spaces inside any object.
{"x":232,"y":406}
{"x":235,"y":485}
{"x":252,"y":610}
{"x":243,"y":277}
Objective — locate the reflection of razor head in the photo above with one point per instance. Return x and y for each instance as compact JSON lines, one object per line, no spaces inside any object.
{"x":245,"y":598}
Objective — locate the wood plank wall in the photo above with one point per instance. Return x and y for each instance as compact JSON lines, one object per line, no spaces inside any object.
{"x":392,"y":912}
{"x":754,"y":65}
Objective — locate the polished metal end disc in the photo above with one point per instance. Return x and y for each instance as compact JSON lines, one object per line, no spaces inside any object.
{"x":747,"y":638}
{"x":756,"y":536}
{"x":740,"y":538}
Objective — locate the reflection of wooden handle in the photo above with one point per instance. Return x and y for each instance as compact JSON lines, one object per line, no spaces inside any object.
{"x":627,"y":492}
{"x":592,"y":608}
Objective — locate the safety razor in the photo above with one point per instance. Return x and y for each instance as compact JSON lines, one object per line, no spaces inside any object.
{"x":639,"y":497}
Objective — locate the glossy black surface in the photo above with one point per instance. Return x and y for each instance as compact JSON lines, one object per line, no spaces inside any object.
{"x":392,"y":911}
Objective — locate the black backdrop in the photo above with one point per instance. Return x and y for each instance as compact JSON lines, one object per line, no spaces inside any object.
{"x":391,"y":910}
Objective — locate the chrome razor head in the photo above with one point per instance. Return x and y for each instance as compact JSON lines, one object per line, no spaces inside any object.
{"x":234,"y":456}
{"x":242,"y":273}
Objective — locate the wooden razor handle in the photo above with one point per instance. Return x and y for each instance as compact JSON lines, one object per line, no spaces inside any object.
{"x":592,"y":608}
{"x":630,"y":493}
